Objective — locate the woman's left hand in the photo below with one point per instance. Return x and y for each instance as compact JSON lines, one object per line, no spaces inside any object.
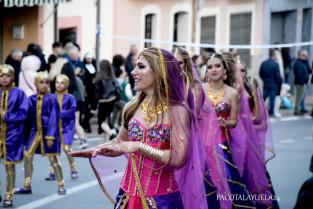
{"x":222,"y":122}
{"x":125,"y":147}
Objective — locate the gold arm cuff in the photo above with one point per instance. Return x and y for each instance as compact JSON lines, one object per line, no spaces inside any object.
{"x":150,"y":151}
{"x":49,"y":137}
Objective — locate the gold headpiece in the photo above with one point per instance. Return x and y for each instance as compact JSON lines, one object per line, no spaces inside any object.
{"x":40,"y":76}
{"x":63,"y":79}
{"x":238,"y":61}
{"x":175,"y":53}
{"x":7,"y":69}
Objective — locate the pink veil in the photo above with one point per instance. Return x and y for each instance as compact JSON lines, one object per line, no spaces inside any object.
{"x":251,"y":161}
{"x":263,"y":127}
{"x":210,"y":135}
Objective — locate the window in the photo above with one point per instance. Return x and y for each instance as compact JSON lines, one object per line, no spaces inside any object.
{"x":180,"y":33}
{"x":69,"y":34}
{"x":150,"y":28}
{"x":207,"y":34}
{"x":240,"y":33}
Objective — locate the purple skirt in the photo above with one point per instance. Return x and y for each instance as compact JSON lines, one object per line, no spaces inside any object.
{"x":167,"y":201}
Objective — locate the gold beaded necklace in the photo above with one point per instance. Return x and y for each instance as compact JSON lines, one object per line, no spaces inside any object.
{"x":215,"y":98}
{"x":150,"y":113}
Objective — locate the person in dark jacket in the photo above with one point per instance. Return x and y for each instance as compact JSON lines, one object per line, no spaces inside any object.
{"x":56,"y":52}
{"x":272,"y":80}
{"x":33,"y":49}
{"x":14,"y":59}
{"x":287,"y":59}
{"x":129,"y":67}
{"x":90,"y":74}
{"x":105,"y":89}
{"x":301,"y":79}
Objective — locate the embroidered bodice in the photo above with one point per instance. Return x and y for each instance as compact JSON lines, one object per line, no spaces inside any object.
{"x":222,"y":109}
{"x":153,"y":181}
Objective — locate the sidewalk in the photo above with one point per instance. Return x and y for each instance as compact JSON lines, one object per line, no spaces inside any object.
{"x":308,"y":104}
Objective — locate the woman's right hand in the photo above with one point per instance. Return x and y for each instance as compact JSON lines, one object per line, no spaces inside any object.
{"x":88,"y":153}
{"x":103,"y":149}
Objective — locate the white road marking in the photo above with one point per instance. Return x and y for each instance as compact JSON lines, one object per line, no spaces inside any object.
{"x":291,"y":118}
{"x":308,"y":138}
{"x":287,"y":141}
{"x":51,"y":198}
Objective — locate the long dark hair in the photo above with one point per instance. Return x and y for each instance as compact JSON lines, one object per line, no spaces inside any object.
{"x":106,"y":71}
{"x":118,"y":61}
{"x":68,"y":70}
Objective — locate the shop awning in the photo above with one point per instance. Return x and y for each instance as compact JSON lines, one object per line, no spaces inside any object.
{"x":21,"y":3}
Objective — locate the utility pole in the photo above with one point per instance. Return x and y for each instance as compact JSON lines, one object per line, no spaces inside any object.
{"x":1,"y":30}
{"x":55,"y":22}
{"x":98,"y":34}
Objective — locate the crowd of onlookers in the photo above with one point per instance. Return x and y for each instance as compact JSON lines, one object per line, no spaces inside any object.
{"x":109,"y":87}
{"x":276,"y":73}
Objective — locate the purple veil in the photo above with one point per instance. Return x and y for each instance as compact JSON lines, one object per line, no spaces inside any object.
{"x":250,"y":162}
{"x":190,"y":176}
{"x":255,"y":170}
{"x":209,"y":133}
{"x":262,"y":126}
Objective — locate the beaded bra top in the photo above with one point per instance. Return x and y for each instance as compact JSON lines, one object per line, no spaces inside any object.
{"x":222,"y":109}
{"x":154,"y":181}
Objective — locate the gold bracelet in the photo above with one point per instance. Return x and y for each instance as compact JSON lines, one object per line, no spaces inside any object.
{"x":150,"y":151}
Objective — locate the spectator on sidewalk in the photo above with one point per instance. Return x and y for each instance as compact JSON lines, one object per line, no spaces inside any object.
{"x":272,"y":80}
{"x":14,"y":59}
{"x":106,"y":88}
{"x":90,"y":74}
{"x":33,"y":49}
{"x":77,"y":90}
{"x":301,"y":79}
{"x":309,"y":70}
{"x":29,"y":67}
{"x":126,"y":96}
{"x":72,"y":56}
{"x":287,"y":59}
{"x":56,"y":53}
{"x":129,"y":67}
{"x":279,"y":60}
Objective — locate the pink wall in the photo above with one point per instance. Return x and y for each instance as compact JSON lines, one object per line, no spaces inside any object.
{"x":72,"y":22}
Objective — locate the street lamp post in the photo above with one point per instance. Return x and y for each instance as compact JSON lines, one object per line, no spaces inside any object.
{"x":98,"y":34}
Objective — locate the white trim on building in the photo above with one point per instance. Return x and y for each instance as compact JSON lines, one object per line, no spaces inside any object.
{"x":180,"y":7}
{"x":150,"y":9}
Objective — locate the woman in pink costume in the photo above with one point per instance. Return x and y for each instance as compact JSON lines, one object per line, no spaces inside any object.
{"x":259,"y":145}
{"x":224,"y":98}
{"x":208,"y":131}
{"x":165,"y":168}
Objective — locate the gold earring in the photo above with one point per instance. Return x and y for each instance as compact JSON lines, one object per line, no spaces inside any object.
{"x":224,"y":77}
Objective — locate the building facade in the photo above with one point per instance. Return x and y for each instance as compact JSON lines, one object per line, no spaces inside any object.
{"x":126,"y":22}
